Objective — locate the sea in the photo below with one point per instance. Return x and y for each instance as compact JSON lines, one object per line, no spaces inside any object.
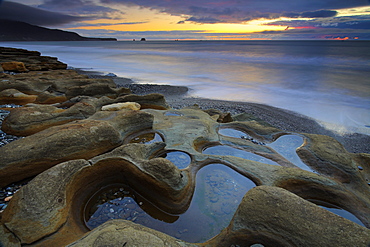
{"x":328,"y":81}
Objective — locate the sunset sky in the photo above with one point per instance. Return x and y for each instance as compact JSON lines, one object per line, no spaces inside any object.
{"x":198,"y":19}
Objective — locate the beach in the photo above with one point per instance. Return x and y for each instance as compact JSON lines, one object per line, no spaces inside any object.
{"x":177,"y":98}
{"x":179,"y":95}
{"x":324,"y":80}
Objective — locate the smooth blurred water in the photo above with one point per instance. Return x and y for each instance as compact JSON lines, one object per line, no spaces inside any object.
{"x":326,"y":80}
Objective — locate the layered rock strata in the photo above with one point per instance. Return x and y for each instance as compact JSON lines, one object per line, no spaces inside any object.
{"x":32,"y":60}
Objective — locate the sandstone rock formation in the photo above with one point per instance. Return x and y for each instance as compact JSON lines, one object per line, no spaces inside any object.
{"x":126,"y":233}
{"x":36,"y":117}
{"x":275,"y":217}
{"x":85,"y":137}
{"x":31,"y":59}
{"x":13,"y":96}
{"x":14,"y":67}
{"x":119,"y":106}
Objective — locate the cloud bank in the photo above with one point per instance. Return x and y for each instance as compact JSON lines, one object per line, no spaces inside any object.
{"x":236,"y":11}
{"x":85,"y":8}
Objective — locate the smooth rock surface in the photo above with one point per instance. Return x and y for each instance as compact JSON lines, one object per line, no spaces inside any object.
{"x":33,"y":118}
{"x":126,"y":233}
{"x":13,"y":96}
{"x":36,"y":117}
{"x":7,"y":238}
{"x":41,"y":207}
{"x":119,"y":106}
{"x":33,"y":154}
{"x":149,"y":101}
{"x":275,"y":217}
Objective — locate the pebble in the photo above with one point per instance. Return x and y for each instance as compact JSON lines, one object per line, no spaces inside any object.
{"x":5,"y":138}
{"x":7,"y":193}
{"x":10,"y":73}
{"x":360,"y":168}
{"x":252,"y":140}
{"x":8,"y":198}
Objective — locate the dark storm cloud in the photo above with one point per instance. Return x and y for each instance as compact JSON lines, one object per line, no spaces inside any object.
{"x":77,"y":7}
{"x":103,"y":24}
{"x":209,"y":20}
{"x":195,"y":10}
{"x":242,"y":10}
{"x":312,"y":14}
{"x":20,"y":12}
{"x":319,"y":14}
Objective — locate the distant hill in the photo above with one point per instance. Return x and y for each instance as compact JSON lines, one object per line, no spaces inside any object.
{"x":21,"y":31}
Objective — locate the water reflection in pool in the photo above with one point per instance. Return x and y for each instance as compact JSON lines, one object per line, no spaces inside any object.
{"x":219,"y":191}
{"x":178,"y":158}
{"x":146,"y":138}
{"x":233,"y":133}
{"x":238,"y":134}
{"x":286,"y":146}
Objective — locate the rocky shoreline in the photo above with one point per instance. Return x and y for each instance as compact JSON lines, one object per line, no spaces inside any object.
{"x":92,"y":160}
{"x":176,"y":97}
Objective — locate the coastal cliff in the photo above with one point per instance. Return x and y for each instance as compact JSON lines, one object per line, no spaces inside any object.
{"x":21,"y":31}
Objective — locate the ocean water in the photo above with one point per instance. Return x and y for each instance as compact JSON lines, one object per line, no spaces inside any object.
{"x":326,"y":80}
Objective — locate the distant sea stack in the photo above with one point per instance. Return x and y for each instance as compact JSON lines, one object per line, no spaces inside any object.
{"x":21,"y":31}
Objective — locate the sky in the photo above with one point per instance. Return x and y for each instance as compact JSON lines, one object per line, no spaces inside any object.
{"x":198,"y":19}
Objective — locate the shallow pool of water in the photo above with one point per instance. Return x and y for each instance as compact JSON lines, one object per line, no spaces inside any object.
{"x":230,"y":132}
{"x":286,"y":146}
{"x":178,"y":158}
{"x":218,"y":193}
{"x":233,"y":133}
{"x":146,"y":138}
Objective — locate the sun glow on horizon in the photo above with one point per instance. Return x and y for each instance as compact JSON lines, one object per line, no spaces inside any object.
{"x":138,"y":19}
{"x":161,"y":25}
